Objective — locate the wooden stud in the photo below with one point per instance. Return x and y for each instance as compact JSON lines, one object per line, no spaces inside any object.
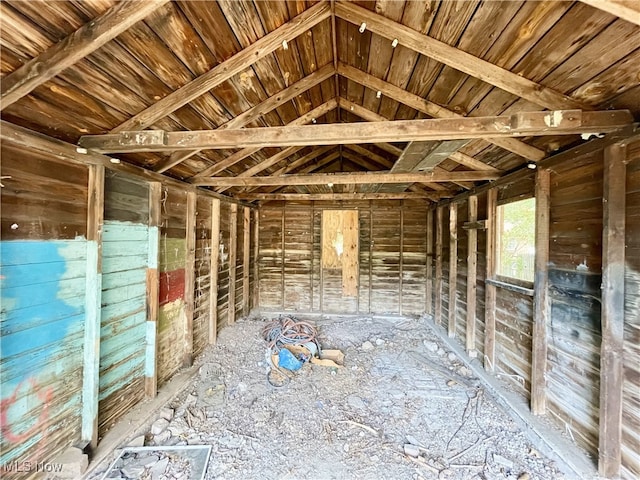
{"x":472,"y":275}
{"x":453,"y":268}
{"x":490,"y":290}
{"x":246,"y":260}
{"x":438,"y":285}
{"x":227,"y":69}
{"x":79,"y":44}
{"x":215,"y":265}
{"x":613,"y":281}
{"x":153,"y":290}
{"x":189,"y":278}
{"x":540,"y":293}
{"x":93,"y":289}
{"x":429,"y":279}
{"x":256,"y":258}
{"x":401,"y":260}
{"x":559,"y":122}
{"x":233,"y":255}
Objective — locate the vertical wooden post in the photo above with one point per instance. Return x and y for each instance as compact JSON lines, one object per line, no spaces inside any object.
{"x":189,"y":278}
{"x":453,"y":267}
{"x":233,"y":254}
{"x":429,"y":286}
{"x":246,"y":259}
{"x":256,"y":257}
{"x":213,"y":270}
{"x":153,"y":291}
{"x":540,"y":294}
{"x":611,"y":356}
{"x":490,"y":290}
{"x":438,"y":286}
{"x":401,"y":266}
{"x":93,"y":301}
{"x":472,"y":275}
{"x":282,"y":254}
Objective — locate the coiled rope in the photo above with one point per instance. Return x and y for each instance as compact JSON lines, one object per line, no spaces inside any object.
{"x":288,"y":331}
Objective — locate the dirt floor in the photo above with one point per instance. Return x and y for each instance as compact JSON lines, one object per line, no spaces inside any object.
{"x":403,"y":407}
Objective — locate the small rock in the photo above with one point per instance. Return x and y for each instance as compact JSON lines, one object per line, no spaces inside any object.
{"x":191,"y":400}
{"x":159,"y":468}
{"x":137,"y":442}
{"x":430,"y":346}
{"x":524,"y":476}
{"x":367,"y":346}
{"x":147,"y":460}
{"x":167,"y":413}
{"x":162,"y":437}
{"x":452,"y":357}
{"x":74,"y":462}
{"x":356,"y":402}
{"x":379,"y":342}
{"x":133,"y":471}
{"x":441,"y":351}
{"x":346,"y":448}
{"x":464,"y":371}
{"x":500,"y":460}
{"x":412,"y":440}
{"x":446,"y":474}
{"x":159,"y":426}
{"x":451,"y":383}
{"x":411,"y":450}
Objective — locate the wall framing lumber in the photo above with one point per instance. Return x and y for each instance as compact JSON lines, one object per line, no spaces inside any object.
{"x":429,"y":282}
{"x":490,"y":289}
{"x":256,"y":256}
{"x":438,"y":283}
{"x":189,"y":280}
{"x":246,"y":260}
{"x":233,"y":257}
{"x":227,"y":69}
{"x":91,"y":377}
{"x":79,"y":44}
{"x":541,"y":305}
{"x":613,"y":281}
{"x":215,"y":265}
{"x":472,"y":275}
{"x":522,"y":124}
{"x":453,"y":268}
{"x":153,"y":290}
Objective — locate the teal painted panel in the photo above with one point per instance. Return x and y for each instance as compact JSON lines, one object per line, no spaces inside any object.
{"x":41,"y":344}
{"x":127,"y":277}
{"x":123,"y":314}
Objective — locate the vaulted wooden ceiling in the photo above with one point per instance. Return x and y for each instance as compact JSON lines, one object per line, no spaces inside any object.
{"x":180,"y":87}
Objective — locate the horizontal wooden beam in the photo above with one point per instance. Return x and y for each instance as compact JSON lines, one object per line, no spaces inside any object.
{"x":79,"y":44}
{"x":343,"y":196}
{"x":628,"y":10}
{"x":227,"y":69}
{"x":559,"y":122}
{"x":475,"y":225}
{"x":425,"y":106}
{"x":348,"y":179}
{"x":455,"y":58}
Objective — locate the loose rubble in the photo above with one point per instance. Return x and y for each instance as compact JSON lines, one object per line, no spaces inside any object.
{"x":403,"y":406}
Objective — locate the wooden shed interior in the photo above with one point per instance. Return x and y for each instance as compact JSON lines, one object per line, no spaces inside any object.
{"x":171,"y":166}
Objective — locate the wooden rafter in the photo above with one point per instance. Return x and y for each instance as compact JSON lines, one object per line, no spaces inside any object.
{"x":247,"y":152}
{"x":429,"y":108}
{"x":257,"y":111}
{"x":344,"y":196}
{"x":73,"y":48}
{"x":559,"y":122}
{"x":628,"y":10}
{"x":455,"y":58}
{"x":227,"y":69}
{"x":348,"y":179}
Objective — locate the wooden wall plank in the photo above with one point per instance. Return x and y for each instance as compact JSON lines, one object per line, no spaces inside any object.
{"x":453,"y":267}
{"x":613,"y":281}
{"x":153,"y":290}
{"x":189,"y":279}
{"x":429,"y":262}
{"x":438,"y":284}
{"x":214,"y":267}
{"x":246,"y":260}
{"x":233,"y":251}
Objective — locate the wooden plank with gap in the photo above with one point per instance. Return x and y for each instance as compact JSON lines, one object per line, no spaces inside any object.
{"x":233,"y":252}
{"x":246,"y":260}
{"x":438,"y":283}
{"x":453,"y":268}
{"x":490,"y":289}
{"x":189,"y":279}
{"x":472,"y":276}
{"x":214,"y":267}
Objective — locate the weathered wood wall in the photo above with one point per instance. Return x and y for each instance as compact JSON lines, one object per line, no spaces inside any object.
{"x":43,"y":254}
{"x":125,"y":252}
{"x":80,"y":254}
{"x":631,"y":383}
{"x":392,"y":259}
{"x":573,"y":334}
